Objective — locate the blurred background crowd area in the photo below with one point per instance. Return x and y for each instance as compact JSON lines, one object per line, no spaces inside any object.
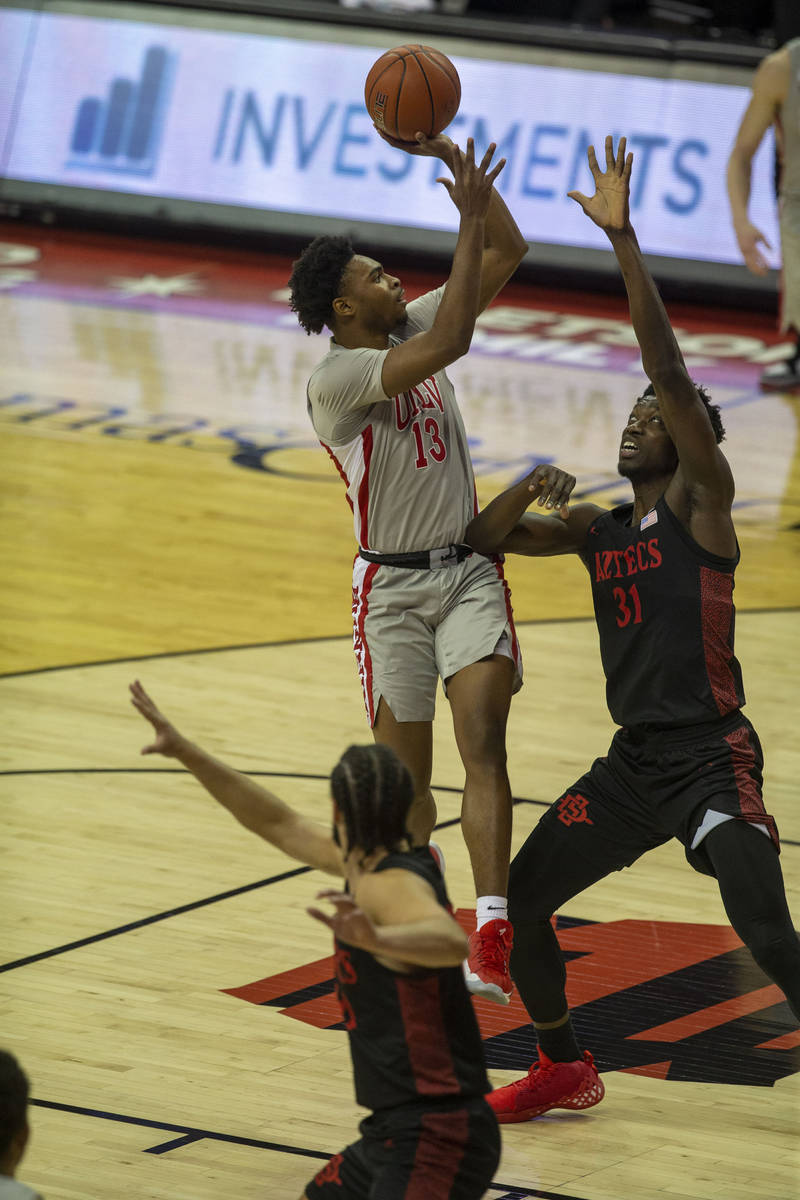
{"x":757,"y":23}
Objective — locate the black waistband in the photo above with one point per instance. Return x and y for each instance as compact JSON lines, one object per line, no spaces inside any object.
{"x":680,"y":734}
{"x":422,"y":560}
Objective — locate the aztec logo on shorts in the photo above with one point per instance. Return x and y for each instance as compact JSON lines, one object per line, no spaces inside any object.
{"x":573,"y":808}
{"x":657,"y":998}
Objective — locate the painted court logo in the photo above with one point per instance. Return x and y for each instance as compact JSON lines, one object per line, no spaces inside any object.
{"x":673,"y":1001}
{"x":121,"y":132}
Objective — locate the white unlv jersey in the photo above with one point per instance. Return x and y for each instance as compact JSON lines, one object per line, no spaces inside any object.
{"x":404,"y":459}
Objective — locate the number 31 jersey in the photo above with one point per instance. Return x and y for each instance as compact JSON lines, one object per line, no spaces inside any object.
{"x":665,"y":615}
{"x":403,"y":459}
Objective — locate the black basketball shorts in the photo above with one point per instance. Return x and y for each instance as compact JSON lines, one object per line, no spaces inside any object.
{"x":439,"y":1152}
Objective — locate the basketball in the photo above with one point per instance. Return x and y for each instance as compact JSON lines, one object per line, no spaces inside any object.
{"x":412,"y":89}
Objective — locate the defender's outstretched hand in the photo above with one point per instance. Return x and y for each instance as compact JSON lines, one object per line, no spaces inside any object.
{"x":608,"y":207}
{"x":168,"y":740}
{"x":349,"y":923}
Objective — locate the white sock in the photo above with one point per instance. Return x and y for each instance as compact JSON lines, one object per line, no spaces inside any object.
{"x":490,"y":908}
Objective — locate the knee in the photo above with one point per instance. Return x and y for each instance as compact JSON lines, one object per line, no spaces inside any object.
{"x":777,"y":952}
{"x":483,"y":745}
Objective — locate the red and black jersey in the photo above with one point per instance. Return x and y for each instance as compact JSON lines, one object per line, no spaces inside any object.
{"x":412,"y":1037}
{"x":665,"y":615}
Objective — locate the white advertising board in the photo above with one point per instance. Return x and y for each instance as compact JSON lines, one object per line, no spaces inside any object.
{"x":279,"y":124}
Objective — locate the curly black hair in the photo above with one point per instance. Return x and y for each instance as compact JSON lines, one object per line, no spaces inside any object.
{"x":316,"y":280}
{"x":713,"y":410}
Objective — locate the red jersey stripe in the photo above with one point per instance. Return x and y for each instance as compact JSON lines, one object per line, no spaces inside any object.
{"x":750,"y":800}
{"x":363,"y":489}
{"x":340,"y":469}
{"x":716,"y":615}
{"x":498,"y":566}
{"x":360,"y":644}
{"x":427,"y":1039}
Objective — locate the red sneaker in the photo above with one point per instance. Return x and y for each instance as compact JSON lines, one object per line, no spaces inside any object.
{"x":548,"y":1085}
{"x":486,"y":969}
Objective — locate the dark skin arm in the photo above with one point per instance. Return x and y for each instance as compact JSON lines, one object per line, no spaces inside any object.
{"x":701,"y":491}
{"x":505,"y":526}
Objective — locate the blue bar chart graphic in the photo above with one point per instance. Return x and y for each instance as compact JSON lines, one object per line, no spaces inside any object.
{"x":122,"y":132}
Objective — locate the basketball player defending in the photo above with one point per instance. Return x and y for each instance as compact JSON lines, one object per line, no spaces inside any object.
{"x":417,"y":1053}
{"x":424,"y":605}
{"x":685,"y":763}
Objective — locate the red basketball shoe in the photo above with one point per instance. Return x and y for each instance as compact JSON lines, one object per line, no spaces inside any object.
{"x":548,"y":1085}
{"x":486,"y":969}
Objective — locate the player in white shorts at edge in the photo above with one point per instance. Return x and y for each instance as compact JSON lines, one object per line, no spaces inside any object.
{"x":425,"y":605}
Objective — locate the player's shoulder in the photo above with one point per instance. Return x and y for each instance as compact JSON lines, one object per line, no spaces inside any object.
{"x":772,"y":75}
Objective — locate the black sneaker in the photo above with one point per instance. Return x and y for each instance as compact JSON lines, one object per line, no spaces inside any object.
{"x":782,"y":376}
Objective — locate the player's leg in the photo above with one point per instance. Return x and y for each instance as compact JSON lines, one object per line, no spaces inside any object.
{"x":393,"y":638}
{"x":581,"y":838}
{"x":747,"y":866}
{"x":480,"y":696}
{"x":412,"y":741}
{"x":478,"y":659}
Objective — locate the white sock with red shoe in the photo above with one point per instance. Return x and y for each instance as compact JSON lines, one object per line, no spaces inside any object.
{"x":490,"y":908}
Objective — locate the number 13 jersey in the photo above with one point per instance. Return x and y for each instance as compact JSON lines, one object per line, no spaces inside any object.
{"x":403,"y":459}
{"x":665,"y":615}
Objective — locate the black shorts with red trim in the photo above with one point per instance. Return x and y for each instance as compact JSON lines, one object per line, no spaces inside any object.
{"x":416,"y":1152}
{"x":656,"y":785}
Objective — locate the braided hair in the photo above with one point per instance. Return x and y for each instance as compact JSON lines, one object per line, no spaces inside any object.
{"x":713,"y":410}
{"x":373,"y":791}
{"x":316,"y":280}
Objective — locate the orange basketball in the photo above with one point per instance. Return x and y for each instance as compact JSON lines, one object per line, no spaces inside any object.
{"x":411,"y":89}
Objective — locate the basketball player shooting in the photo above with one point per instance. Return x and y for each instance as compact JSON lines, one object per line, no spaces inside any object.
{"x":417,"y":1054}
{"x":686,"y":762}
{"x":424,"y":605}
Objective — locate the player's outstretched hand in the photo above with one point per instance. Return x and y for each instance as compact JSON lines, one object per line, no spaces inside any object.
{"x":471,"y":186}
{"x":168,"y":740}
{"x":608,"y":207}
{"x":552,"y":487}
{"x":348,"y":922}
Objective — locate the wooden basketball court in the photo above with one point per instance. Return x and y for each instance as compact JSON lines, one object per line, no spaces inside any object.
{"x":167,"y":516}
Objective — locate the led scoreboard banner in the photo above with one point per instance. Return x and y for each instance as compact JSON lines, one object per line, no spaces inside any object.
{"x":270,"y":132}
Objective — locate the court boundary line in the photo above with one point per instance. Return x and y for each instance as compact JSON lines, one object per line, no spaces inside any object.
{"x":190,"y":1134}
{"x":335,"y":637}
{"x":79,"y":943}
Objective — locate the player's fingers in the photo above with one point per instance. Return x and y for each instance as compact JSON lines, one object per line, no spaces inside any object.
{"x":579,"y":198}
{"x":487,"y":158}
{"x":609,"y":148}
{"x":446,"y":183}
{"x":760,"y":238}
{"x":593,"y":164}
{"x":496,"y":171}
{"x":626,"y":173}
{"x":470,"y":152}
{"x":318,"y":915}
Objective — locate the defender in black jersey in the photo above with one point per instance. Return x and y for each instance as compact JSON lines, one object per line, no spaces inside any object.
{"x":685,"y":762}
{"x":417,"y":1053}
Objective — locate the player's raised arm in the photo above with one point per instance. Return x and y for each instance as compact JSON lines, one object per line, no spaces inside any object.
{"x":451,"y":332}
{"x":258,"y":809}
{"x":770,"y":85}
{"x":504,"y":247}
{"x":703,"y":468}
